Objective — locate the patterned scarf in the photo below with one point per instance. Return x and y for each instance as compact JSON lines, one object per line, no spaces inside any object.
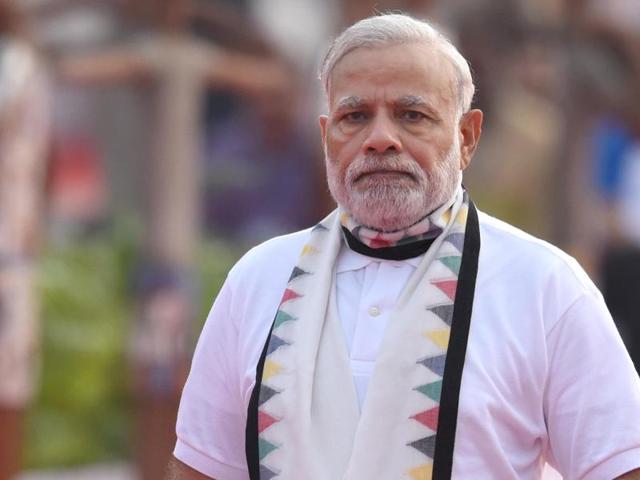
{"x":401,"y":244}
{"x":304,"y":420}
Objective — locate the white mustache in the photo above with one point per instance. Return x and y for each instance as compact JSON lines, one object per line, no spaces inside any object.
{"x":382,"y":163}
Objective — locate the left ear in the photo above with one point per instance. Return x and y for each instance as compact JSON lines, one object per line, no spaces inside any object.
{"x":470,"y":129}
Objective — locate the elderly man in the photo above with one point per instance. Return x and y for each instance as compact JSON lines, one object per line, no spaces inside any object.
{"x":406,"y":336}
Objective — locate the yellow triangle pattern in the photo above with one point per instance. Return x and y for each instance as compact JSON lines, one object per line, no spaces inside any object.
{"x":309,"y":249}
{"x":271,"y":368}
{"x":446,"y":216}
{"x":439,"y":337}
{"x":423,"y":472}
{"x":463,"y":213}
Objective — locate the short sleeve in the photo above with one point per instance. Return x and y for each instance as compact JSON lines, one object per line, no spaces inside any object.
{"x":592,"y":397}
{"x":211,"y":418}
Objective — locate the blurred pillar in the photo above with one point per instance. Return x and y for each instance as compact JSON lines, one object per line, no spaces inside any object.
{"x":24,"y":129}
{"x":165,"y":301}
{"x":179,"y":68}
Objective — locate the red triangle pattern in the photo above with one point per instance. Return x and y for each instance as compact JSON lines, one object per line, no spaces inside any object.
{"x":448,"y":287}
{"x":289,"y":295}
{"x":377,"y":242}
{"x":428,"y":418}
{"x":265,"y":421}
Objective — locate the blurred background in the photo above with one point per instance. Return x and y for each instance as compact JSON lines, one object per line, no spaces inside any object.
{"x":146,"y":144}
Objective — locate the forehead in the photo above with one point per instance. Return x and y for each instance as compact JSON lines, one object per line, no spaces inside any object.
{"x":395,"y":71}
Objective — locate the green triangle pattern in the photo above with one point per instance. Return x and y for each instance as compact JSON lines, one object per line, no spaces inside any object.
{"x":431,"y":390}
{"x":282,"y":317}
{"x":265,"y":448}
{"x":452,"y":263}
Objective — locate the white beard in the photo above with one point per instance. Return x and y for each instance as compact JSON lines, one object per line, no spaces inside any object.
{"x":394,"y":202}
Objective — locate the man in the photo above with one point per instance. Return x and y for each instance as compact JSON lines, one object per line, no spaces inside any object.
{"x":406,"y":335}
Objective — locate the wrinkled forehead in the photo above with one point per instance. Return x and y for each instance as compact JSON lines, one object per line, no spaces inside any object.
{"x":414,"y":68}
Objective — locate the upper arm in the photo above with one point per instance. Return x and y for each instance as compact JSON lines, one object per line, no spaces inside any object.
{"x":632,"y":475}
{"x":212,"y":416}
{"x":592,"y":391}
{"x":180,"y":471}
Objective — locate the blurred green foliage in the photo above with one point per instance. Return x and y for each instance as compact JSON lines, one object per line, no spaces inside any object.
{"x":83,"y":411}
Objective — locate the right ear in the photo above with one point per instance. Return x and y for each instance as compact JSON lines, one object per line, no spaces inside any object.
{"x":323,"y":130}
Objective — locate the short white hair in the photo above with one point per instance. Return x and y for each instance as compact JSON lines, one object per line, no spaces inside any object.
{"x":394,"y":29}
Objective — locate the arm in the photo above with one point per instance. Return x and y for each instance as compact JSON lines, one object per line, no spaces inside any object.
{"x":632,"y":475}
{"x":211,"y":422}
{"x":587,"y":356}
{"x":179,"y":471}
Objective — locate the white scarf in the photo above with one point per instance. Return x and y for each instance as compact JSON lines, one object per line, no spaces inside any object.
{"x":308,"y":422}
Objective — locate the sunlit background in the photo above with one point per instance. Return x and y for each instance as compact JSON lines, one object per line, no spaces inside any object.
{"x":146,"y":144}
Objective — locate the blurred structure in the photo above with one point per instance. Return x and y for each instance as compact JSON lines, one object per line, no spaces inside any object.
{"x":278,"y":161}
{"x":176,"y":69}
{"x":24,"y":127}
{"x":611,"y":38}
{"x":198,"y":117}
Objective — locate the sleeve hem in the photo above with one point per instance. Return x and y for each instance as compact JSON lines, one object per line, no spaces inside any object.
{"x":207,"y":465}
{"x":616,"y":466}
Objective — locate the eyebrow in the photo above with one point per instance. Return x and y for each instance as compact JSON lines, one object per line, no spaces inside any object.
{"x":405,"y":101}
{"x":352,"y":101}
{"x":412,"y":101}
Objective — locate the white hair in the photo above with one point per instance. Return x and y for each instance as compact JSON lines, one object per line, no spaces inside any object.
{"x":393,"y":29}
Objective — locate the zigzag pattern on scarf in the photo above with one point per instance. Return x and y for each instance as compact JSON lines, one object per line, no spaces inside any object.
{"x":439,"y":288}
{"x":442,"y":313}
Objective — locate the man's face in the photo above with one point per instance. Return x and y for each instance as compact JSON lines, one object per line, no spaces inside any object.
{"x":392,"y":139}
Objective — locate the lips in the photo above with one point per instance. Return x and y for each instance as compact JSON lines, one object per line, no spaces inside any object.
{"x":383,"y":173}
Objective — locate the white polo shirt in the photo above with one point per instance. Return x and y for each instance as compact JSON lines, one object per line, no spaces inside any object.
{"x":546,"y":376}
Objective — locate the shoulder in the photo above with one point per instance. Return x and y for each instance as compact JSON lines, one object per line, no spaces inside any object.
{"x":263,"y":272}
{"x":520,"y":269}
{"x":504,"y":244}
{"x":272,"y":256}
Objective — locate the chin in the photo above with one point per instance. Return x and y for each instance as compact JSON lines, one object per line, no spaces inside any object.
{"x":384,"y":218}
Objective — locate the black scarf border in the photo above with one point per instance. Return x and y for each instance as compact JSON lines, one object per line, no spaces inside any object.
{"x":399,"y":252}
{"x":454,"y":365}
{"x":457,"y":349}
{"x":252,"y":450}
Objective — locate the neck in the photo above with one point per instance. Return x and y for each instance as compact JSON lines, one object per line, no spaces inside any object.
{"x":419,"y":236}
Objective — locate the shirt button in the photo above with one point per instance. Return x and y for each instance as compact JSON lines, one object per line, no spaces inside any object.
{"x":374,"y":311}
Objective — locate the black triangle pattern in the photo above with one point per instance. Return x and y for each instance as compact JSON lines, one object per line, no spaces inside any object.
{"x":426,"y":445}
{"x":456,"y":239}
{"x":297,"y":272}
{"x":435,"y":364}
{"x":266,"y":393}
{"x":266,"y":474}
{"x":444,"y":312}
{"x":275,"y":343}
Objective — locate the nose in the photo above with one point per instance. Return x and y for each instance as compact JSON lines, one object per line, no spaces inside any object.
{"x":382,"y":136}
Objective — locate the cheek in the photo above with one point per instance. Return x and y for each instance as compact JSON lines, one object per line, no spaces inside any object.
{"x":424,"y":154}
{"x":342,"y":148}
{"x":428,"y":152}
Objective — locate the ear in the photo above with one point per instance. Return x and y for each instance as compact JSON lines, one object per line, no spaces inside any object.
{"x":470,"y":130}
{"x":323,"y":130}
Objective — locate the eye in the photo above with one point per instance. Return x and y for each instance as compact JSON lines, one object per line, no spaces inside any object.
{"x":355,"y":117}
{"x":412,"y":116}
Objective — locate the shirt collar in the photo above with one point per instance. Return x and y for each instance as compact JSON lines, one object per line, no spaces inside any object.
{"x":348,"y":260}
